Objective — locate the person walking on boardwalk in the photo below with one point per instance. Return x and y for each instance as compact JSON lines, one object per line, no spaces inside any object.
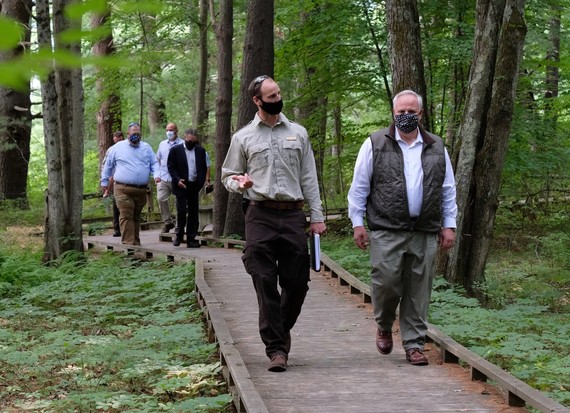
{"x":189,"y":166}
{"x":130,"y":163}
{"x":403,"y":182}
{"x":270,"y":161}
{"x":117,"y":137}
{"x":164,"y":185}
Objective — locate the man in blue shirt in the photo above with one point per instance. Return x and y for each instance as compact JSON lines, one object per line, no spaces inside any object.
{"x":130,"y":163}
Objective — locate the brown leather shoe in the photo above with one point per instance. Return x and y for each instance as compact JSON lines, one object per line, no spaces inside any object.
{"x":416,"y":357}
{"x":384,"y":342}
{"x":278,"y":363}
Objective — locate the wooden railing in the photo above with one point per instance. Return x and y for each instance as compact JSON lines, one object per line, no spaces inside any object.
{"x":516,"y":392}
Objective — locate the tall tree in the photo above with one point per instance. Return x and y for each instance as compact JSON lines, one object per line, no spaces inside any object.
{"x":15,"y":115}
{"x":109,"y":115}
{"x":404,"y":44}
{"x":378,"y":48}
{"x":552,"y":62}
{"x":62,"y":98}
{"x":152,"y":70}
{"x":200,"y":115}
{"x":483,"y":134}
{"x":258,"y":55}
{"x":312,"y":109}
{"x":224,"y":34}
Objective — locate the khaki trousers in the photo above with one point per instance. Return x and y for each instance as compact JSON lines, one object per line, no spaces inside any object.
{"x":402,"y":273}
{"x":163,"y":192}
{"x":130,"y":202}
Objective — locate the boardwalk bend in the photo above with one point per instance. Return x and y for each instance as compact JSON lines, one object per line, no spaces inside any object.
{"x":333,"y":365}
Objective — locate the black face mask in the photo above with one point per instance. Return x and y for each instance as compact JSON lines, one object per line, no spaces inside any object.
{"x":407,"y":122}
{"x":273,"y":108}
{"x":190,"y":144}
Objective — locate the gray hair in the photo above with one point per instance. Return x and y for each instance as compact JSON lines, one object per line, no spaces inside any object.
{"x":409,"y":92}
{"x":192,"y":132}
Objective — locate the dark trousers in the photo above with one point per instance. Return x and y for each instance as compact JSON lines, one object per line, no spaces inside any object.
{"x":188,"y":208}
{"x":116,"y":214}
{"x":276,"y":252}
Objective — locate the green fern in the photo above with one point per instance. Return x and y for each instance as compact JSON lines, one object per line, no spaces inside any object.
{"x":104,"y":333}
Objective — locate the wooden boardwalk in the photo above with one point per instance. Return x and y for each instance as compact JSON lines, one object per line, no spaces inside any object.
{"x":333,"y":365}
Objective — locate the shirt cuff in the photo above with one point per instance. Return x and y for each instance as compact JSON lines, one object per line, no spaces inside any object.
{"x":449,"y":223}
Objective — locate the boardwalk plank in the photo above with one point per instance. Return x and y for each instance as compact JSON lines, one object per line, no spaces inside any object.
{"x":333,"y":364}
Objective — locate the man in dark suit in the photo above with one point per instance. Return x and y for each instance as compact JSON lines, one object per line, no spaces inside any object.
{"x":189,"y":167}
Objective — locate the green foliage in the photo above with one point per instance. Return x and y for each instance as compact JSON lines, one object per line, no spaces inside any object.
{"x":341,"y":248}
{"x":20,"y":272}
{"x":104,"y":333}
{"x":524,"y":326}
{"x":11,"y":33}
{"x":11,"y":214}
{"x":523,"y":337}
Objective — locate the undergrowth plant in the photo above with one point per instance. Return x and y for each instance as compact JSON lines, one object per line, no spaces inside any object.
{"x":524,"y":326}
{"x":106,"y":334}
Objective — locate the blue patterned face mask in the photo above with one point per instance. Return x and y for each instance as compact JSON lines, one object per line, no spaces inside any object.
{"x":135,"y":138}
{"x":407,"y":122}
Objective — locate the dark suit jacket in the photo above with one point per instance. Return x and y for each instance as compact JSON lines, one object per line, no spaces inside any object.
{"x":178,"y":166}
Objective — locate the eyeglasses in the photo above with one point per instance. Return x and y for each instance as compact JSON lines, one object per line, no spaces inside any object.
{"x":260,"y":79}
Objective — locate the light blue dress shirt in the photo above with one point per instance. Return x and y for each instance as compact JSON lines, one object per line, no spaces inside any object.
{"x":130,"y":164}
{"x":162,"y":157}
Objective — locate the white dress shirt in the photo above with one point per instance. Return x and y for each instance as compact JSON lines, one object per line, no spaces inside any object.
{"x":191,"y":159}
{"x":162,"y":157}
{"x":360,"y":188}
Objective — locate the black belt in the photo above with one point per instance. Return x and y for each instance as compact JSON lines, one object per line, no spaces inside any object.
{"x":132,"y":185}
{"x":279,"y":204}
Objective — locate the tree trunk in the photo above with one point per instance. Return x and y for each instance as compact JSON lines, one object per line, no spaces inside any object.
{"x":224,"y":34}
{"x":109,"y":116}
{"x":378,"y":49}
{"x":15,"y":117}
{"x":155,"y":105}
{"x":552,"y":72}
{"x":484,"y":133}
{"x":258,"y":53}
{"x":201,"y":114}
{"x":156,"y":115}
{"x":337,"y":149}
{"x":404,"y":44}
{"x":62,"y":100}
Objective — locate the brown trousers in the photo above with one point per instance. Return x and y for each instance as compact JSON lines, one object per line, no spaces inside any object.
{"x":130,"y":202}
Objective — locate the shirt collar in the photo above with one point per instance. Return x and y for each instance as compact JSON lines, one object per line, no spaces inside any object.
{"x":419,"y":138}
{"x":257,"y":120}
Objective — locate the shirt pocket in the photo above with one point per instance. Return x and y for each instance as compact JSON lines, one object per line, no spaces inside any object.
{"x":258,"y":156}
{"x":292,"y":152}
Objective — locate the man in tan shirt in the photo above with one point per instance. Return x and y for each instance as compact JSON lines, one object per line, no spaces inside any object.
{"x":270,"y":161}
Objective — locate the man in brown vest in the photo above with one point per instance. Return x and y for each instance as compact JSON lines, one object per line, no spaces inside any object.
{"x":403,"y":182}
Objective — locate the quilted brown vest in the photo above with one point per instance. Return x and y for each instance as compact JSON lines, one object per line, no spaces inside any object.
{"x":387,"y":205}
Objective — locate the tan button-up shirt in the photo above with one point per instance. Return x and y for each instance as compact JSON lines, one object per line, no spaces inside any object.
{"x":280,"y":162}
